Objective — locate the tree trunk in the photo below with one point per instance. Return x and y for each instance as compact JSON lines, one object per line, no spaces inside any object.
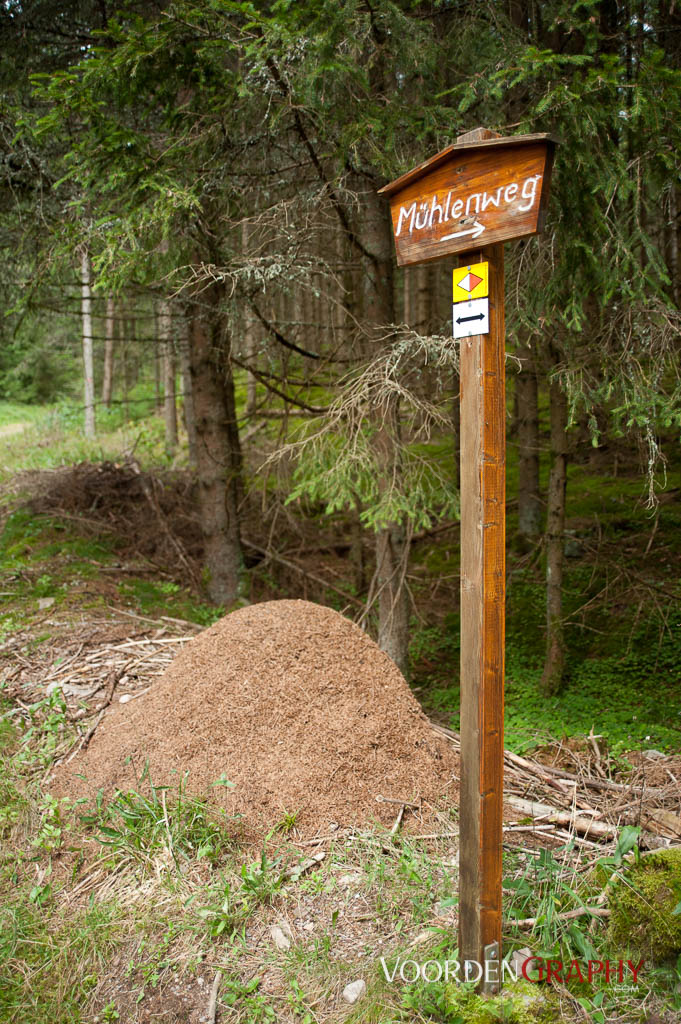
{"x":88,"y":359}
{"x":248,"y":326}
{"x":392,"y":546}
{"x":392,"y":555}
{"x":110,"y":330}
{"x":187,"y":393}
{"x":165,"y":338}
{"x":555,"y":524}
{"x":128,"y":336}
{"x":158,"y":372}
{"x":456,"y":427}
{"x":422,"y":299}
{"x":527,"y":425}
{"x":218,"y":456}
{"x":673,"y":244}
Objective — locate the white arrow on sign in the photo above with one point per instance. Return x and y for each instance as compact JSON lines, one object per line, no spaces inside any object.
{"x":476,"y":230}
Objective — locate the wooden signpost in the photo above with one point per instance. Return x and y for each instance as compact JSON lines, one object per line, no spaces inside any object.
{"x":470,"y":198}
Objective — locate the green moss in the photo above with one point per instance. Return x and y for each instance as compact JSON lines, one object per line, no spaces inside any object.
{"x":522,"y":1003}
{"x":153,"y":598}
{"x":622,"y":683}
{"x":643,"y":904}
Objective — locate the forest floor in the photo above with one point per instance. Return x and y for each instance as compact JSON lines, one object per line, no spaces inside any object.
{"x":153,"y":908}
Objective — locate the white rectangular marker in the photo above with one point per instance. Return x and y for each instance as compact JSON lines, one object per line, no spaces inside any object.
{"x":470,"y":318}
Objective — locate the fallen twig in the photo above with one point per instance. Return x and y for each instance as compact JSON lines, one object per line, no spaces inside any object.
{"x":86,"y":738}
{"x":213,"y":1001}
{"x":529,"y":922}
{"x":171,"y":849}
{"x":398,"y":820}
{"x":304,"y":572}
{"x":565,"y":992}
{"x":587,"y":826}
{"x":397,"y":800}
{"x":152,"y":500}
{"x":297,"y":870}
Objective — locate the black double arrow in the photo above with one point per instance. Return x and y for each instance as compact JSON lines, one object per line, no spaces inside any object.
{"x":466,"y":319}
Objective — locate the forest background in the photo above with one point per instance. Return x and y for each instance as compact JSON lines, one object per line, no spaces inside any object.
{"x":199,"y":285}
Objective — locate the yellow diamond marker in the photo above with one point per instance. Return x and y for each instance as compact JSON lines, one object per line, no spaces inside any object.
{"x":471,"y":282}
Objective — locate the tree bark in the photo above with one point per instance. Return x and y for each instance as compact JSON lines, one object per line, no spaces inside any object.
{"x":392,"y":555}
{"x":110,"y":330}
{"x":554,"y":664}
{"x":158,"y":372}
{"x":128,"y":335}
{"x":187,"y":391}
{"x":527,"y":426}
{"x":249,"y":334}
{"x":88,"y":359}
{"x":218,"y":455}
{"x":167,"y":351}
{"x":392,"y":545}
{"x":422,"y":299}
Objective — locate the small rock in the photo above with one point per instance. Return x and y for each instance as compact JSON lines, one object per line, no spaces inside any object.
{"x":124,"y":698}
{"x":348,"y":879}
{"x":45,"y":602}
{"x":281,"y":941}
{"x":444,"y":909}
{"x":653,"y":755}
{"x":308,"y":926}
{"x":354,"y":991}
{"x":518,"y":959}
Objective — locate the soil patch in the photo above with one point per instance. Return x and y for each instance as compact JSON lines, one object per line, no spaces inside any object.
{"x":292,"y":703}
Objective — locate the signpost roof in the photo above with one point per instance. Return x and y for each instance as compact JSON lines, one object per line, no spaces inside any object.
{"x":429,"y":165}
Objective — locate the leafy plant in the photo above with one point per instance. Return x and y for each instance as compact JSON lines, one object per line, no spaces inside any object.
{"x":245,"y":997}
{"x":136,"y":826}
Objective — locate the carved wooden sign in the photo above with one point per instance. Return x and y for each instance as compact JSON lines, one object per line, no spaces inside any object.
{"x":471,"y":195}
{"x":470,"y":198}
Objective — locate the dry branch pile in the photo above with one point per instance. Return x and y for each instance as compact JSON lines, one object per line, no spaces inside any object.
{"x":155,"y":515}
{"x":152,"y":519}
{"x":589,"y":804}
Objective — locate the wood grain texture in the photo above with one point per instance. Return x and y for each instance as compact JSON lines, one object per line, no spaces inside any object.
{"x":478,"y":138}
{"x":482,"y":623}
{"x":482,"y":193}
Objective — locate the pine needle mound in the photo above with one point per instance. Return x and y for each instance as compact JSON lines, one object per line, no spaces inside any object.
{"x":293,"y":704}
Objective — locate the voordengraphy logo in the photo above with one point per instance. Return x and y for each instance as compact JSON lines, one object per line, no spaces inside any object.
{"x":534,"y":968}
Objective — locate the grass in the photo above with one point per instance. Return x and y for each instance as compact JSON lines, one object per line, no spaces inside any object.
{"x":54,"y":437}
{"x":19,"y":412}
{"x":138,"y":827}
{"x":629,"y":696}
{"x":51,"y":960}
{"x":167,"y":598}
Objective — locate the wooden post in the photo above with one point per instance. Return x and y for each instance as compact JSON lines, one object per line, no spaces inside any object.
{"x":469,"y":198}
{"x":483,"y":480}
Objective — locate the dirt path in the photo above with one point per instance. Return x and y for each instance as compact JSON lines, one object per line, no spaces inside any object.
{"x":13,"y":428}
